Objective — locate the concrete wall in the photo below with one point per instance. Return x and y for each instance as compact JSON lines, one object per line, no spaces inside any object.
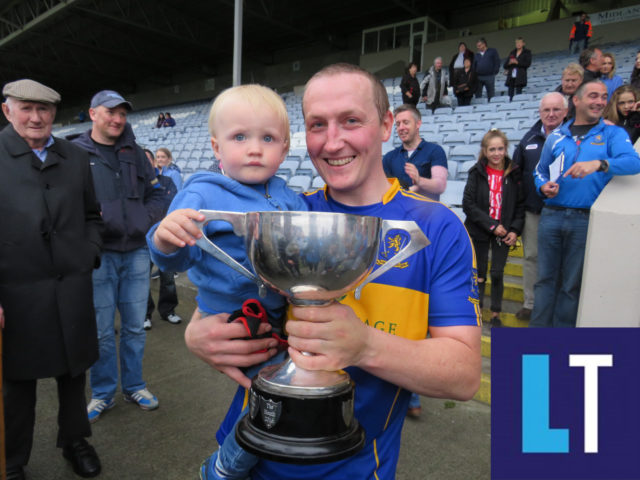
{"x":610,"y":294}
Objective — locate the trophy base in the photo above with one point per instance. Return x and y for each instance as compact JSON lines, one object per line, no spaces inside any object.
{"x":297,"y":450}
{"x":300,"y":416}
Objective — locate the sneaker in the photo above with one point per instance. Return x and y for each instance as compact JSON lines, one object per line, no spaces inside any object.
{"x":175,"y":275}
{"x":496,"y":322}
{"x":173,"y":318}
{"x":155,"y":274}
{"x":524,"y":314}
{"x":147,"y":323}
{"x":97,"y":406}
{"x":144,"y":398}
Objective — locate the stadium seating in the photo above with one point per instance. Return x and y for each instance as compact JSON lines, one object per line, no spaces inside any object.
{"x":458,"y":129}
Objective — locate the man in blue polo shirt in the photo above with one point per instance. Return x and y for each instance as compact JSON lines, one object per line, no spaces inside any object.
{"x":420,"y":166}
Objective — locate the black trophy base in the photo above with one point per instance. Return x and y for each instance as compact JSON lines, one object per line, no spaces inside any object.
{"x":290,"y":425}
{"x":296,"y":450}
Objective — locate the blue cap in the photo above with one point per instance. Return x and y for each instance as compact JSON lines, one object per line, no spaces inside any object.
{"x":109,"y":99}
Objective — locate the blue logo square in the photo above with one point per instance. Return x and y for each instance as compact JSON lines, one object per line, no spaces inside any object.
{"x":542,"y":383}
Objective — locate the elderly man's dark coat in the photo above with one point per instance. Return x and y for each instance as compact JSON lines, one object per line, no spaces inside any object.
{"x":49,"y":245}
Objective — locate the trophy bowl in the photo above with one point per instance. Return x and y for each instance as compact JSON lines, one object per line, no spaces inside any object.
{"x":313,"y":259}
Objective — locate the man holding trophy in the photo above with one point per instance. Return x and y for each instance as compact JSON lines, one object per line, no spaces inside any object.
{"x":380,"y":339}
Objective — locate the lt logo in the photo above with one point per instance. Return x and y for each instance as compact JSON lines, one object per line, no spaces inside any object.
{"x":537,"y":436}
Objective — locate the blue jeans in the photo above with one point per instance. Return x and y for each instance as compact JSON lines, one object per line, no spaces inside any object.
{"x":122,"y":281}
{"x":231,"y":461}
{"x":489,"y":82}
{"x":562,"y":237}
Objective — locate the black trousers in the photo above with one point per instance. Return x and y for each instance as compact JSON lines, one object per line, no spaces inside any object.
{"x":20,"y":415}
{"x":167,"y":296}
{"x":499,"y":253}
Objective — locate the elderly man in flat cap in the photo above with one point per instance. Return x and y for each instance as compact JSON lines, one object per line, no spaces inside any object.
{"x":51,"y":226}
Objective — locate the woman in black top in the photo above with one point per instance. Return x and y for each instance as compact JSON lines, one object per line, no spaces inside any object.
{"x":465,"y":83}
{"x":622,"y":110}
{"x":410,"y":86}
{"x":516,"y":67}
{"x":493,"y":202}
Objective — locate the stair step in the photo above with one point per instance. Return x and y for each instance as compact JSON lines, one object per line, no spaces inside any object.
{"x":485,"y":346}
{"x":484,"y":392}
{"x":508,"y":319}
{"x":512,"y":291}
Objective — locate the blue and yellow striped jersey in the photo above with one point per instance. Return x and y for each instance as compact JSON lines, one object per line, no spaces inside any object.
{"x":436,"y":286}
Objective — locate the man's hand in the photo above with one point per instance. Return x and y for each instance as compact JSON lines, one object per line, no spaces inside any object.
{"x":408,"y":94}
{"x":178,"y":230}
{"x":510,"y":239}
{"x":411,"y":170}
{"x":500,"y":231}
{"x":582,"y":169}
{"x":334,"y":334}
{"x":550,"y":189}
{"x":220,"y":345}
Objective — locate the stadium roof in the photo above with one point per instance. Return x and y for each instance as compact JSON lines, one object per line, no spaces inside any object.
{"x":79,"y":46}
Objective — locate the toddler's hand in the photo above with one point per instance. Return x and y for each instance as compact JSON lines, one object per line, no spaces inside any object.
{"x":177,"y":230}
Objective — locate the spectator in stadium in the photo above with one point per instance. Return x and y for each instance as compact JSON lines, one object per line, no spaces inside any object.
{"x":465,"y":83}
{"x":516,"y":66}
{"x":124,"y":181}
{"x":493,"y":202}
{"x":434,"y":86}
{"x":577,"y":161}
{"x":160,"y":121}
{"x":169,"y":121}
{"x":591,"y":61}
{"x":608,"y":73}
{"x":623,"y":110}
{"x":635,"y":73}
{"x":51,"y":227}
{"x":581,"y":32}
{"x":164,"y":163}
{"x":167,"y":293}
{"x":457,"y":61}
{"x":347,"y":119}
{"x":486,"y":64}
{"x":409,"y":85}
{"x":419,"y":166}
{"x":250,"y":136}
{"x":572,"y":77}
{"x":553,"y":109}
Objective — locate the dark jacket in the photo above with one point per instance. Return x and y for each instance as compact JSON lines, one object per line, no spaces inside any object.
{"x":631,"y":123}
{"x":524,"y":62}
{"x":526,"y":156}
{"x":465,"y":83}
{"x":129,"y":203}
{"x":487,"y":63}
{"x":467,"y":54}
{"x":410,"y":84}
{"x":169,"y":190}
{"x":51,"y":225}
{"x":475,"y":201}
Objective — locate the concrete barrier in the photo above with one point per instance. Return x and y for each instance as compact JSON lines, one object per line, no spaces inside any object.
{"x":610,"y":293}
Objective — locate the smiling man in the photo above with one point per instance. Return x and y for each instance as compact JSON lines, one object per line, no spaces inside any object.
{"x":577,"y":161}
{"x":419,"y":165}
{"x":124,"y":183}
{"x":347,"y":118}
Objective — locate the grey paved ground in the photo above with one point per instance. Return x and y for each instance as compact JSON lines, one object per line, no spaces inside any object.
{"x":446,"y":443}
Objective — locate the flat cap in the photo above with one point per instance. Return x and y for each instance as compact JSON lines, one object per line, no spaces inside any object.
{"x":30,"y":91}
{"x":109,"y":99}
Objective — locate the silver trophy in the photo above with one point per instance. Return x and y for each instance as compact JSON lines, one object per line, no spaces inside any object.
{"x":313,"y":259}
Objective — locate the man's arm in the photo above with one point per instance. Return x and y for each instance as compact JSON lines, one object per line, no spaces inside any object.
{"x":435,"y":185}
{"x":446,"y":365}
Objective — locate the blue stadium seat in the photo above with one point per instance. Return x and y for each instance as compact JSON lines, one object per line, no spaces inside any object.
{"x":299,"y":183}
{"x":457,"y":138}
{"x":453,"y":193}
{"x":464,"y":153}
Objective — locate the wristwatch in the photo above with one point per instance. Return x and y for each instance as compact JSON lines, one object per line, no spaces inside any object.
{"x":604,"y":166}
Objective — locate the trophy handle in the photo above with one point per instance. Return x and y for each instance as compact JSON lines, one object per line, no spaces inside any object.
{"x":417,"y":241}
{"x":237,"y":220}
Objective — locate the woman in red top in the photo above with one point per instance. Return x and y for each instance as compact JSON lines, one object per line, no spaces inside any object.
{"x":494,"y":205}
